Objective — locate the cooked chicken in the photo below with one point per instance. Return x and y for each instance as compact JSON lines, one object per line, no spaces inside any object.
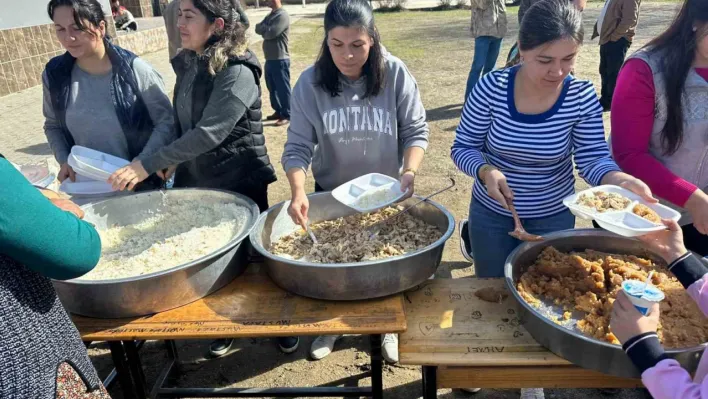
{"x":346,"y":240}
{"x":588,"y":281}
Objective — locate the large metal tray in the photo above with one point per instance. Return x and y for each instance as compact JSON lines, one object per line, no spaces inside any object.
{"x":164,"y":290}
{"x":348,"y":281}
{"x":565,"y":340}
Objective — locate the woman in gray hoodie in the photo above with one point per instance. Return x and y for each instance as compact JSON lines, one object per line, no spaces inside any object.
{"x":356,"y":111}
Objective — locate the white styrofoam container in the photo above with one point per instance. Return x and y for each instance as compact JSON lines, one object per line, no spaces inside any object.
{"x":352,"y":192}
{"x":623,"y":222}
{"x":84,"y":186}
{"x":94,"y":164}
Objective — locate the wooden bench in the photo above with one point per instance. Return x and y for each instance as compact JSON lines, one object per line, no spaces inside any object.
{"x":250,"y":306}
{"x":462,"y":341}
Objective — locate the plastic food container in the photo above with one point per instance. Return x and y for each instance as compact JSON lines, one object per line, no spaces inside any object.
{"x":84,"y":186}
{"x":623,"y":222}
{"x":369,"y":193}
{"x":642,"y":298}
{"x":94,"y":164}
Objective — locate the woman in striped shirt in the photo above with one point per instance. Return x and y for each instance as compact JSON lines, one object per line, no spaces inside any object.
{"x":521,"y":129}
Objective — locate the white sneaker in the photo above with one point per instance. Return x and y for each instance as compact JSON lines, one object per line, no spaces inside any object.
{"x":389,"y":348}
{"x":532,"y":393}
{"x":322,"y":346}
{"x":471,"y":390}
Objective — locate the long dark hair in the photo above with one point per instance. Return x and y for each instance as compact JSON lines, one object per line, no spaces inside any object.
{"x":227,"y":42}
{"x":677,"y":46}
{"x":89,"y":10}
{"x":351,"y":14}
{"x":550,"y":20}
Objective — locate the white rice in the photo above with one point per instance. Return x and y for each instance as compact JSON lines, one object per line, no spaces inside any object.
{"x":185,"y":231}
{"x":376,"y":198}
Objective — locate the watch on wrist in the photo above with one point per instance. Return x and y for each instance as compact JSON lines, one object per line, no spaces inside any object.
{"x":409,"y":170}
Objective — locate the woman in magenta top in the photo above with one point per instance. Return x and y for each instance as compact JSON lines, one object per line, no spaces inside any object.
{"x":660,"y":119}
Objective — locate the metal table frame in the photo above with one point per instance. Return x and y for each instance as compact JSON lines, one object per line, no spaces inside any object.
{"x":130,"y":375}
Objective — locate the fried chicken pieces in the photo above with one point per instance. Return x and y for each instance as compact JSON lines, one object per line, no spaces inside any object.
{"x":588,"y":281}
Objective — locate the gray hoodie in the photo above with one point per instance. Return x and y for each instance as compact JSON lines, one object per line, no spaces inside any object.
{"x":347,"y":136}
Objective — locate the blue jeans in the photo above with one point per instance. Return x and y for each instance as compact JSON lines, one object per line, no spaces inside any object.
{"x":486,"y":51}
{"x":277,"y":77}
{"x":491,"y":242}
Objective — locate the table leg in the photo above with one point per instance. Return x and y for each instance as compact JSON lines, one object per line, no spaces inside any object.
{"x":430,"y":382}
{"x":121,"y":365}
{"x":136,"y":368}
{"x":376,"y":367}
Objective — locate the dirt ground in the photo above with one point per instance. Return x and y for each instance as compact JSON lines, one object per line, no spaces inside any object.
{"x":437,"y":49}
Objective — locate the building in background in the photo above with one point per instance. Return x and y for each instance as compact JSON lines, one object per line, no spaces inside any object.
{"x":28,"y":41}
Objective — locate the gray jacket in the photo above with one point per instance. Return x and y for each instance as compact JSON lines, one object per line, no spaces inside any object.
{"x":275,"y":29}
{"x":348,"y":136}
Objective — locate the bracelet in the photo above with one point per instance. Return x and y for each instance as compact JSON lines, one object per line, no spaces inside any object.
{"x":407,"y":170}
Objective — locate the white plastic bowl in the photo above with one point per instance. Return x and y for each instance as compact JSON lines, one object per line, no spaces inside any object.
{"x":623,"y":222}
{"x":94,"y":164}
{"x":352,"y":193}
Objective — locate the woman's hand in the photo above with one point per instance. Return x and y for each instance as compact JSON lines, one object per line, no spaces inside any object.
{"x":68,"y":206}
{"x":667,"y":243}
{"x":408,"y":184}
{"x":166,"y":174}
{"x":128,"y":176}
{"x":299,"y":205}
{"x":697,"y":206}
{"x":66,"y":171}
{"x":630,"y":183}
{"x":497,"y":187}
{"x":627,"y":322}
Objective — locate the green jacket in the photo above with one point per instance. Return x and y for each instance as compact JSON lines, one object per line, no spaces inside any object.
{"x":34,"y":232}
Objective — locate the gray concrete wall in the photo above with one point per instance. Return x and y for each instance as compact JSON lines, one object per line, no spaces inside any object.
{"x":23,"y":13}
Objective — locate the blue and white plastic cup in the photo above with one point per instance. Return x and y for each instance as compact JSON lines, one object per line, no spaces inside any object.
{"x":642,"y":298}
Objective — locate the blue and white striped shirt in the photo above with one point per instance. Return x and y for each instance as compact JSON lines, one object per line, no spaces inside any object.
{"x":535,"y":152}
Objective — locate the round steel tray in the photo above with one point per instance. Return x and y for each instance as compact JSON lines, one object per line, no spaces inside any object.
{"x":348,"y":281}
{"x":568,"y":343}
{"x":163,"y":290}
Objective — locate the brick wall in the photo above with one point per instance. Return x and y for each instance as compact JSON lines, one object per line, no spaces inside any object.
{"x":139,"y":8}
{"x":24,"y":52}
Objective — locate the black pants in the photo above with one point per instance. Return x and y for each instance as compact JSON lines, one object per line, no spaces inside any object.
{"x":692,"y":238}
{"x":277,"y":77}
{"x":259,"y":195}
{"x":318,"y":188}
{"x":611,"y":59}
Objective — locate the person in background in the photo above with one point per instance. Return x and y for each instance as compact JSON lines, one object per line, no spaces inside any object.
{"x":275,"y":28}
{"x":662,"y":376}
{"x":660,"y":119}
{"x":43,"y":356}
{"x":171,"y":14}
{"x":488,"y":29}
{"x":356,"y":111}
{"x":616,"y":27}
{"x":217,"y":102}
{"x":98,"y":95}
{"x":123,"y":18}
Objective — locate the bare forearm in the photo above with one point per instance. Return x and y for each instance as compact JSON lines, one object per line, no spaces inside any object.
{"x":413,"y":157}
{"x":296,"y":178}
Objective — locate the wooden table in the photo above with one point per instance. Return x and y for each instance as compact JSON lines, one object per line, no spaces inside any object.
{"x":462,"y":341}
{"x":250,"y":306}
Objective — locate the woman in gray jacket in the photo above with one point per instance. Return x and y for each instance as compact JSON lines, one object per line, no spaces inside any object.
{"x":356,"y":111}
